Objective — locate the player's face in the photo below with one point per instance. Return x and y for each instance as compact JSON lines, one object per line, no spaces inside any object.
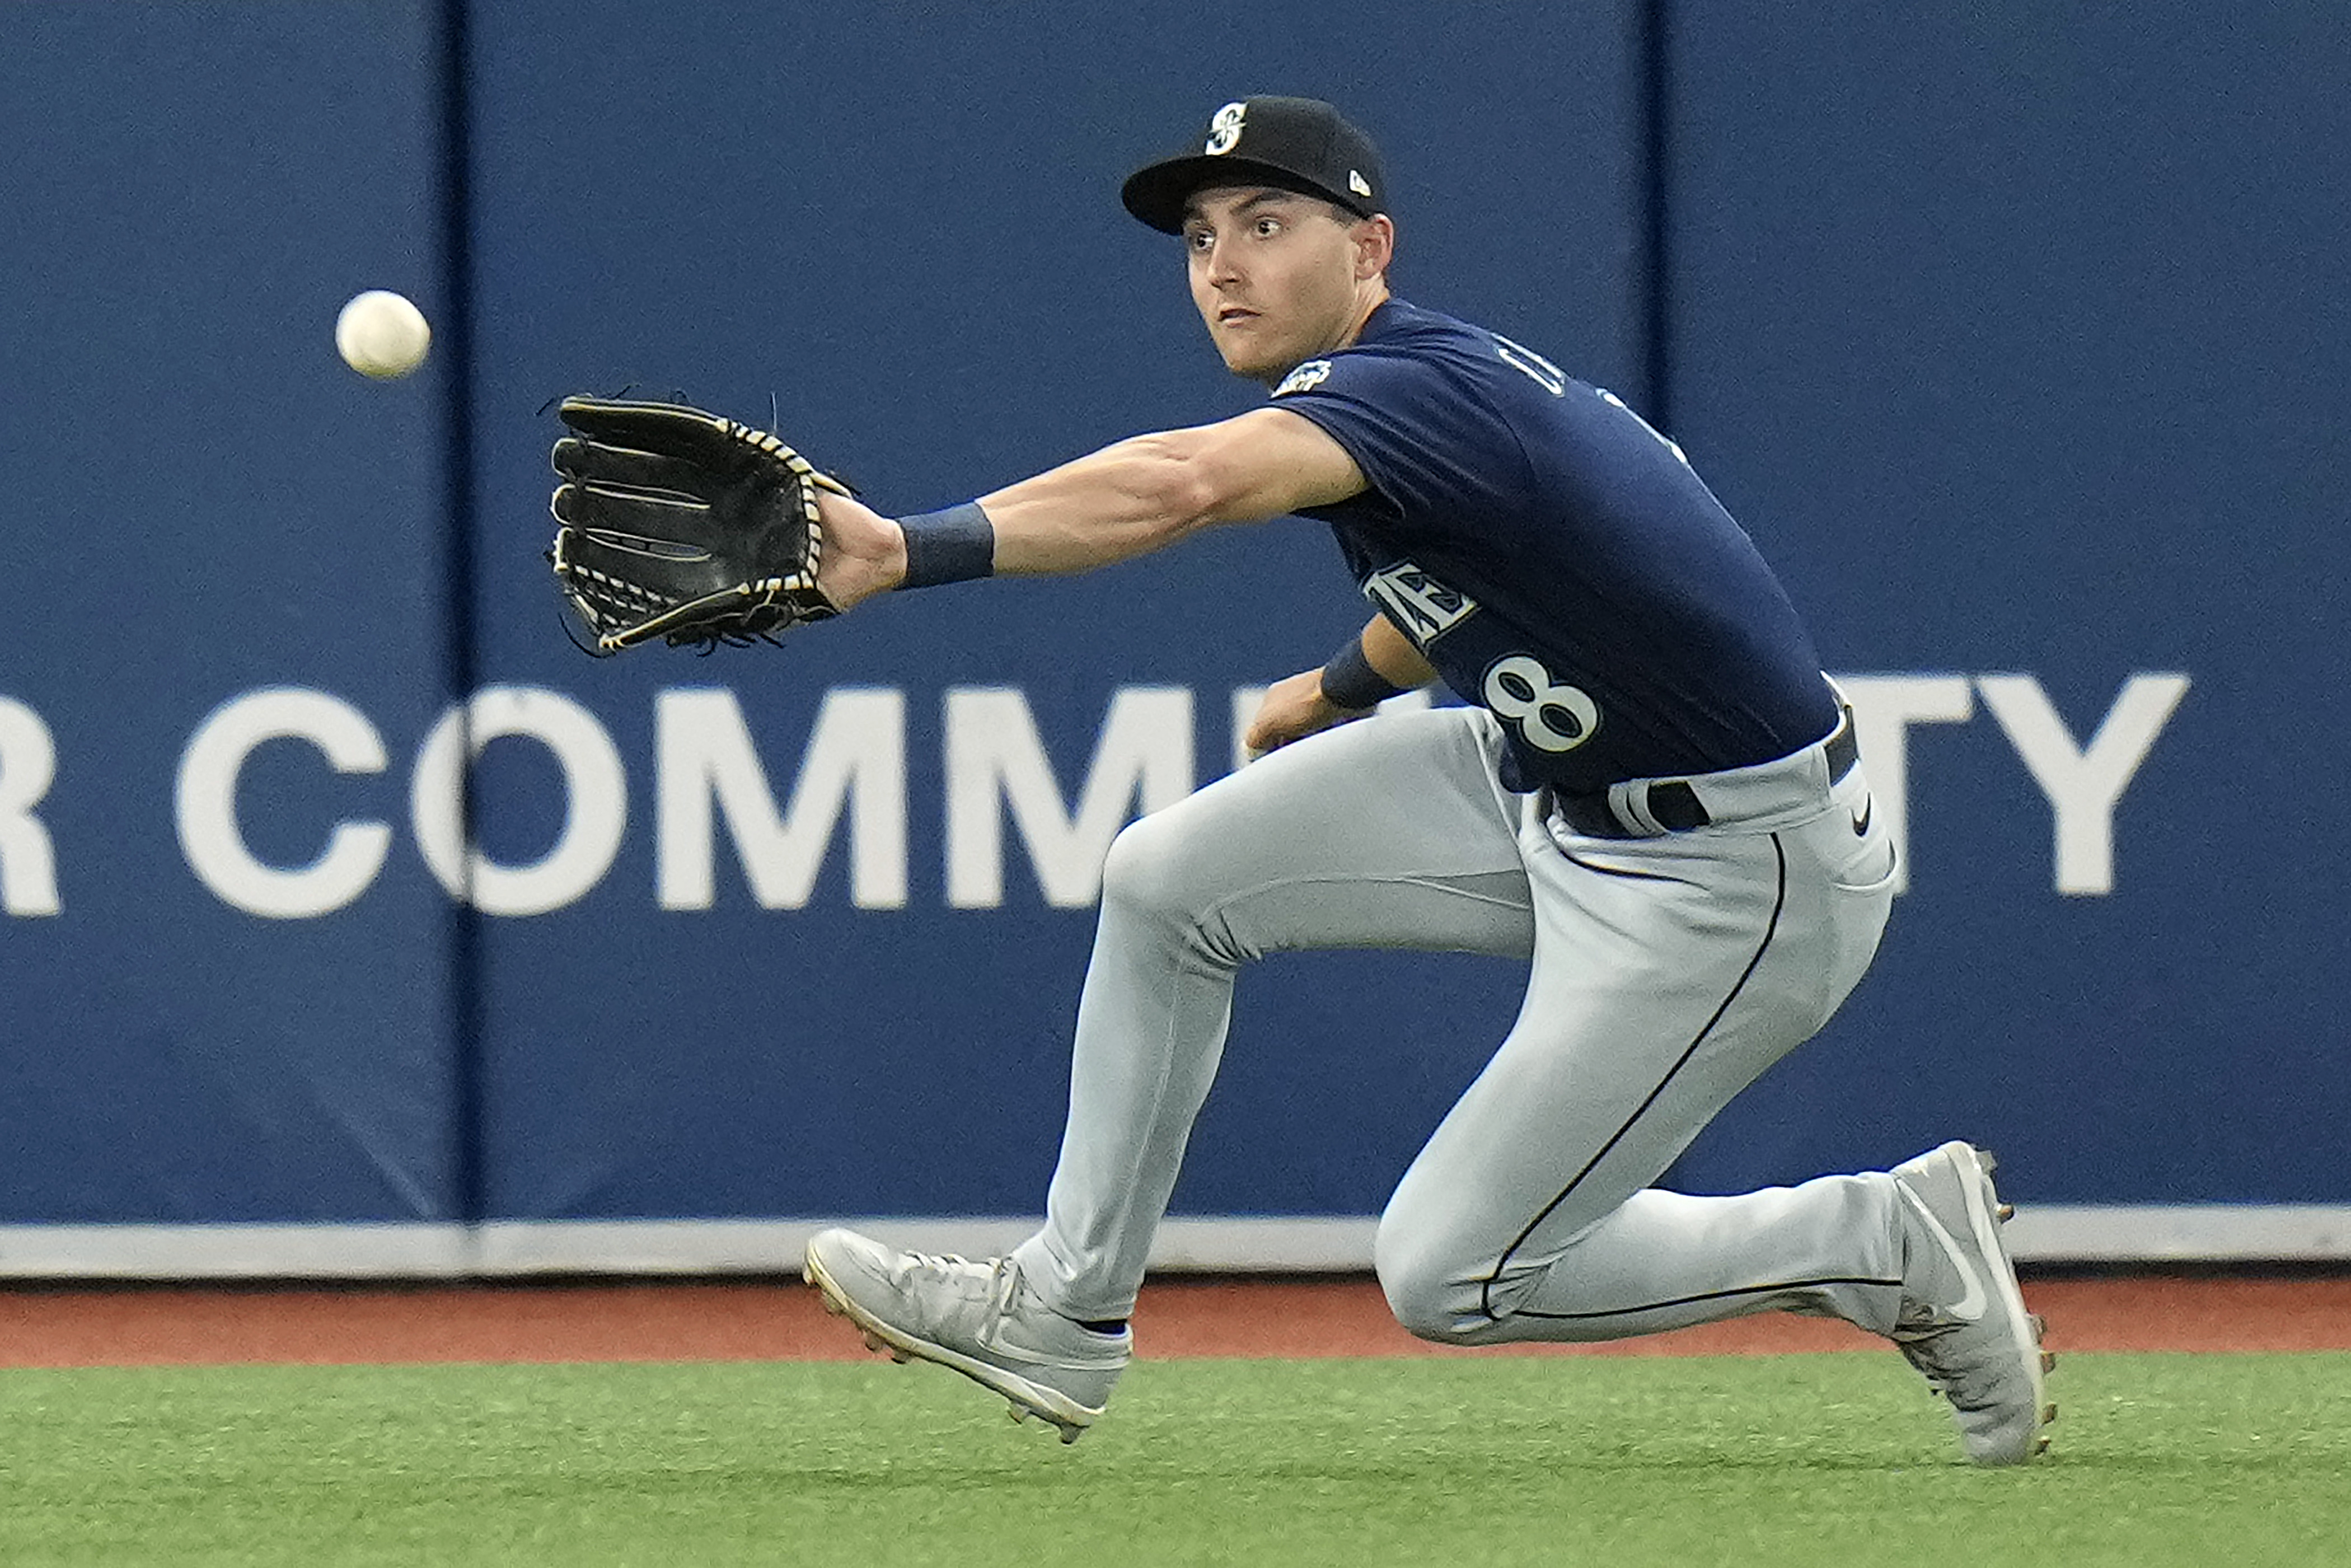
{"x":1280,"y":277}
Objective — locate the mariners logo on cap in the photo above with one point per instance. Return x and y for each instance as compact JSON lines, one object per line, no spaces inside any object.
{"x":1225,"y":130}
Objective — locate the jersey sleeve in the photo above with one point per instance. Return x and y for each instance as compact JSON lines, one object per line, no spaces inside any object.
{"x":1417,"y":427}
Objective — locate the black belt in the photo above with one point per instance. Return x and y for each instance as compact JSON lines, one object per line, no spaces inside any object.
{"x":1674,"y":805}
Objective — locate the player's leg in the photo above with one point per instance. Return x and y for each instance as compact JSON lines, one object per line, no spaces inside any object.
{"x":1668,"y":974}
{"x":1388,"y":833}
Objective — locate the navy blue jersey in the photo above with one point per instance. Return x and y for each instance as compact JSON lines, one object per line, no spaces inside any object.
{"x":1557,"y":561}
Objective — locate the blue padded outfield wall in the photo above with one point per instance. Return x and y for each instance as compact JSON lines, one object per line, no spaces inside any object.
{"x":355,"y":924}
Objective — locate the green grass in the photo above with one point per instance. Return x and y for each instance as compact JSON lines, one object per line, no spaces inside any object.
{"x":2242,"y":1460}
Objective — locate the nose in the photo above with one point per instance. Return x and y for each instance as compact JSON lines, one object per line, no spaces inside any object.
{"x":1219,"y":264}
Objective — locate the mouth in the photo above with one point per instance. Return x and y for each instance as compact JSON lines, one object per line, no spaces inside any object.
{"x":1234,"y":315}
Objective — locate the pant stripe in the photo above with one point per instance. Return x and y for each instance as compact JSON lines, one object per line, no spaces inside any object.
{"x":1598,"y":870}
{"x":1711,"y":1296}
{"x":1770,"y":928}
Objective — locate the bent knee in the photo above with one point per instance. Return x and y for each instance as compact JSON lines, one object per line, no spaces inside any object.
{"x":1145,"y":867}
{"x":1435,"y":1293}
{"x":1158,"y":871}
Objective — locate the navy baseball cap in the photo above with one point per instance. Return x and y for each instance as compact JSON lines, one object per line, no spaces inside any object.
{"x":1291,"y":143}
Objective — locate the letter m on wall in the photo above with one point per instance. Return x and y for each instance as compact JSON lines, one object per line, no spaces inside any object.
{"x":854,"y":766}
{"x":995,"y":761}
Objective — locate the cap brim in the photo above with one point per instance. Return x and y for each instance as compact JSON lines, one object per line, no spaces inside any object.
{"x":1158,"y":194}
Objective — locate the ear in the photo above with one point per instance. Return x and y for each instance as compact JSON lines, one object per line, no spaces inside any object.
{"x":1375,"y":240}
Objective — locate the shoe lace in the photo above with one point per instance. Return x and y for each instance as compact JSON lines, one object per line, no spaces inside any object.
{"x":943,"y":1267}
{"x":994,"y":1279}
{"x":1003,"y":1286}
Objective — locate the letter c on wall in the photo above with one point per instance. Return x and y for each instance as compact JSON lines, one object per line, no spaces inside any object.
{"x":206,"y":803}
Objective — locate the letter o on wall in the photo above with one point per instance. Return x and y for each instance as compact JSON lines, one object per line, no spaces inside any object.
{"x":595,"y":813}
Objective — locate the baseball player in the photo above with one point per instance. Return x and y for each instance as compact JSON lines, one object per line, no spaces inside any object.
{"x":1652,"y":794}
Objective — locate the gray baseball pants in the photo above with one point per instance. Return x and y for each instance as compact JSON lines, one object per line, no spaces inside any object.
{"x":1666,"y":973}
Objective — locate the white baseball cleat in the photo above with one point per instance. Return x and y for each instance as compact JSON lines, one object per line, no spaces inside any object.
{"x":979,"y":1317}
{"x":1963,"y":1321}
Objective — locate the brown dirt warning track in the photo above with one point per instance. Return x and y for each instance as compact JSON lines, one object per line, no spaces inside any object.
{"x":771,"y":1319}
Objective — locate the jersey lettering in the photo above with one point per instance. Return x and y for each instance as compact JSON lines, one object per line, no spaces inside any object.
{"x":1667,"y":442}
{"x":1518,"y":357}
{"x":1624,"y":626}
{"x":1421,"y":608}
{"x":1550,"y":716}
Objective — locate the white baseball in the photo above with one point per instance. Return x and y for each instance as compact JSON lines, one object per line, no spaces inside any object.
{"x":381,"y":334}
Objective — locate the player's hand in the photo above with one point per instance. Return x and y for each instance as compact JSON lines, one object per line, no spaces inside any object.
{"x":864,"y":552}
{"x":1294,"y":709}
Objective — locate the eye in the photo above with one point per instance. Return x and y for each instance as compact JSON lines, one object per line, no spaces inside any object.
{"x":1198,"y":239}
{"x":1268,"y":227}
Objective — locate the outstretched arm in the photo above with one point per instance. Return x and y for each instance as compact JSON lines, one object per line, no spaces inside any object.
{"x":1125,"y":500}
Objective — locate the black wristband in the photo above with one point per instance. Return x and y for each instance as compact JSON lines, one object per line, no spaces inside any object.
{"x":956,"y":545}
{"x":1350,"y":682}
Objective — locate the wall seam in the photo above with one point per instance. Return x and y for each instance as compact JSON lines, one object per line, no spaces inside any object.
{"x":1653,"y":241}
{"x":461,"y":645}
